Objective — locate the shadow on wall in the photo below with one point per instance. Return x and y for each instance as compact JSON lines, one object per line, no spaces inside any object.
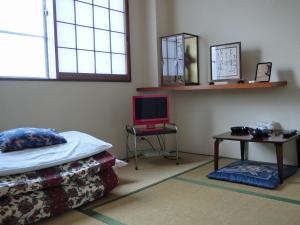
{"x":250,"y":58}
{"x":289,"y":76}
{"x":204,"y":71}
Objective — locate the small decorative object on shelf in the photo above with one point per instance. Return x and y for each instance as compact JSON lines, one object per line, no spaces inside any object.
{"x":263,"y":72}
{"x":225,"y":62}
{"x":179,"y":57}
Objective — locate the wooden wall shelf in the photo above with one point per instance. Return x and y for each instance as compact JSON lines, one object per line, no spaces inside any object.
{"x":216,"y":87}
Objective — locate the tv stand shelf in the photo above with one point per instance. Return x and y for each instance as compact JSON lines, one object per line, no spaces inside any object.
{"x":204,"y":87}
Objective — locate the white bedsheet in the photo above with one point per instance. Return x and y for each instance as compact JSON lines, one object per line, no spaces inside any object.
{"x":79,"y":145}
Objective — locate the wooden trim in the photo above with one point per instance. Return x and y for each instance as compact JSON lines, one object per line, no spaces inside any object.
{"x":128,"y":58}
{"x":55,"y":37}
{"x":204,"y":87}
{"x":87,"y":79}
{"x":93,"y":77}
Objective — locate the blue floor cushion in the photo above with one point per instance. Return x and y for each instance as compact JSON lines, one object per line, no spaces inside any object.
{"x":253,"y":173}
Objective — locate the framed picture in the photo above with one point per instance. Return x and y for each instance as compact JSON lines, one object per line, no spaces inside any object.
{"x":263,"y":72}
{"x":225,"y":62}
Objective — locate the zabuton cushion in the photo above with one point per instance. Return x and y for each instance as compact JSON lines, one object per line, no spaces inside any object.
{"x":253,"y":173}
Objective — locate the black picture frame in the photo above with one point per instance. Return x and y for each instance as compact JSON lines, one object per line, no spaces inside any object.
{"x":263,"y":72}
{"x":225,"y":62}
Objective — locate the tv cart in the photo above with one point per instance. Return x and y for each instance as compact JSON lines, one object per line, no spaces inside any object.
{"x":159,"y":132}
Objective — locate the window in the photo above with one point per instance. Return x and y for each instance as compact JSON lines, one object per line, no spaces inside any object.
{"x":90,"y":39}
{"x":23,"y":39}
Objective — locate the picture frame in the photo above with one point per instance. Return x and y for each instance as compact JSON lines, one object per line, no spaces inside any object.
{"x":263,"y":72}
{"x":225,"y":62}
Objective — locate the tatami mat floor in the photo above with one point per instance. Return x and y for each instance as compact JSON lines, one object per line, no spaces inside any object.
{"x":162,"y":193}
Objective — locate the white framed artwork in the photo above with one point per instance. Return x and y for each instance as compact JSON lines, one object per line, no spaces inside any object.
{"x":225,"y":62}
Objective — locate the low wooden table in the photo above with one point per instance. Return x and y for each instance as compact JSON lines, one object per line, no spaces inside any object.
{"x":277,"y":140}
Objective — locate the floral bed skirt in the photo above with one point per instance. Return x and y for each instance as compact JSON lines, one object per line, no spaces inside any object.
{"x":44,"y":200}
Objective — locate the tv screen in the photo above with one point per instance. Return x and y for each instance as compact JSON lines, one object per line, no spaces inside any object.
{"x":150,"y":109}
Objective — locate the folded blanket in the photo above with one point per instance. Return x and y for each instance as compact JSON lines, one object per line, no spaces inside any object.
{"x":54,"y":176}
{"x":31,"y":207}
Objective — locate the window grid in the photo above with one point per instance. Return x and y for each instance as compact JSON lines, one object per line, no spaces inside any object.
{"x":110,"y":45}
{"x":92,"y":4}
{"x":76,"y":52}
{"x":95,"y":75}
{"x":45,"y":14}
{"x":94,"y":42}
{"x":168,"y":58}
{"x":96,"y":28}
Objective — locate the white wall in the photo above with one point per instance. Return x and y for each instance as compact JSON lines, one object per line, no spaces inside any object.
{"x":269,"y":31}
{"x":98,"y":108}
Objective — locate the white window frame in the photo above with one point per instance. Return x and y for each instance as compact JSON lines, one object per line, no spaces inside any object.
{"x":51,"y":47}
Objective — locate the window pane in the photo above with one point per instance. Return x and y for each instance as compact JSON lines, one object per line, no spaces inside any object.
{"x":84,"y":14}
{"x":117,"y":42}
{"x":180,"y":47}
{"x":171,"y":49}
{"x":117,"y":5}
{"x":66,"y":35}
{"x":85,"y":38}
{"x":22,"y":16}
{"x":172,"y":65}
{"x":67,"y":60}
{"x":65,"y":11}
{"x":95,"y":40}
{"x":164,"y":48}
{"x":117,"y":21}
{"x":180,"y":67}
{"x":165,"y":67}
{"x":86,"y":62}
{"x":101,"y":18}
{"x":22,"y":56}
{"x":102,"y":42}
{"x":118,"y":64}
{"x":103,"y":3}
{"x":103,"y":64}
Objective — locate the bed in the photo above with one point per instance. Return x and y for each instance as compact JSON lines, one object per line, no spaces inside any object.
{"x":41,"y":182}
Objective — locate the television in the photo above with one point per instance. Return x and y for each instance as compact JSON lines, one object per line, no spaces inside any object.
{"x":150,"y":110}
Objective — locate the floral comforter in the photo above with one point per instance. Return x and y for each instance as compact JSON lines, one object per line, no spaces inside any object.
{"x":29,"y":197}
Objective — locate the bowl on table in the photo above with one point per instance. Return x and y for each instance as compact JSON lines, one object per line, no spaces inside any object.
{"x":239,"y":131}
{"x":259,"y":133}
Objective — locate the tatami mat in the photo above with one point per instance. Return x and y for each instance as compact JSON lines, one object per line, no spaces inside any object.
{"x":72,"y":218}
{"x":175,"y":202}
{"x":192,"y":198}
{"x":289,"y":189}
{"x":162,"y":193}
{"x":151,"y":171}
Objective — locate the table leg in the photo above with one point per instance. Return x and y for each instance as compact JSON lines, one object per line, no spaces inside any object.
{"x":298,"y":150}
{"x":216,"y":154}
{"x":135,"y":154}
{"x":279,"y":156}
{"x":242,"y":144}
